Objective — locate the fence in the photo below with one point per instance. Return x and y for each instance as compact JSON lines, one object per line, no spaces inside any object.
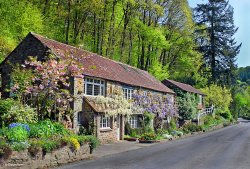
{"x":204,"y":112}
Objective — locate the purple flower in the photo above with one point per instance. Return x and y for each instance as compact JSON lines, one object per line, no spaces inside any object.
{"x":25,"y":126}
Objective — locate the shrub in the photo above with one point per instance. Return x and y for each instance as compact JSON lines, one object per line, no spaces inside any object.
{"x":187,"y":105}
{"x":128,"y":129}
{"x":136,"y":132}
{"x":191,"y":128}
{"x":13,"y":111}
{"x":160,"y":132}
{"x":17,"y":134}
{"x":50,"y":145}
{"x":35,"y":146}
{"x":173,"y":124}
{"x":209,"y":121}
{"x":20,"y":146}
{"x":93,"y":142}
{"x":5,"y":106}
{"x":46,"y":129}
{"x":148,"y":136}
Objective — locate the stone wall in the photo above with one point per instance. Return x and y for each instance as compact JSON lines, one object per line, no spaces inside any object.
{"x":108,"y":135}
{"x":24,"y":160}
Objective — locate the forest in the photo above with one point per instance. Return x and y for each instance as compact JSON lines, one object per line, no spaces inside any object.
{"x":165,"y":37}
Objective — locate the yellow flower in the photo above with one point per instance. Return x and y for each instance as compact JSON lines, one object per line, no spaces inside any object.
{"x":75,"y":143}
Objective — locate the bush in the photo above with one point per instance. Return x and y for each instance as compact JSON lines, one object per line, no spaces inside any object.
{"x":35,"y":146}
{"x":209,"y":121}
{"x":20,"y":146}
{"x":173,"y":124}
{"x":5,"y":106}
{"x":93,"y":142}
{"x":148,"y":136}
{"x":13,"y":111}
{"x":46,"y":129}
{"x":50,"y":145}
{"x":17,"y":134}
{"x":191,"y":128}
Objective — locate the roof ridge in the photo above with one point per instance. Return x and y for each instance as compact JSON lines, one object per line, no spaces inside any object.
{"x":35,"y":34}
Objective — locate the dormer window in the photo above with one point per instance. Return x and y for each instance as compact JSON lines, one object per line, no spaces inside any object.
{"x":94,"y":87}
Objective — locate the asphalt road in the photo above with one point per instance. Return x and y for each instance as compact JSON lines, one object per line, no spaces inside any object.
{"x":227,"y":148}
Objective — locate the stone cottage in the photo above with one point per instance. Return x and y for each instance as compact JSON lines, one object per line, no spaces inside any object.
{"x":103,"y":78}
{"x":186,"y":88}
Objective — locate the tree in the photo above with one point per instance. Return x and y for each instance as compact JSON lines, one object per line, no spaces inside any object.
{"x":219,"y":48}
{"x":220,"y":97}
{"x":18,"y":19}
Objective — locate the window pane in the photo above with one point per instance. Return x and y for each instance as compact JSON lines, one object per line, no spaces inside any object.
{"x":96,"y":90}
{"x":97,"y":81}
{"x":89,"y":89}
{"x":89,"y":80}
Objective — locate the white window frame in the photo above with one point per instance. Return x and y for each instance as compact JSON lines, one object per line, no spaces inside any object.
{"x":127,"y":93}
{"x":133,"y":121}
{"x":105,"y":122}
{"x":94,"y":82}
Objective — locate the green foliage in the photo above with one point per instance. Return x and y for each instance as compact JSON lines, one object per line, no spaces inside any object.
{"x":35,"y":146}
{"x":191,"y":127}
{"x":219,"y":47}
{"x":19,"y":18}
{"x":93,"y":142}
{"x":148,"y":136}
{"x":22,"y":77}
{"x":173,"y":124}
{"x":13,"y":111}
{"x":20,"y":113}
{"x":187,"y":105}
{"x":241,"y":100}
{"x":17,"y":134}
{"x":128,"y":129}
{"x":220,"y":97}
{"x":146,"y":122}
{"x":5,"y":106}
{"x":46,"y":129}
{"x":50,"y":145}
{"x":20,"y":146}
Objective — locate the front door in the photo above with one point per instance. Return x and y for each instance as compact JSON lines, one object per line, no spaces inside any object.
{"x":118,"y":127}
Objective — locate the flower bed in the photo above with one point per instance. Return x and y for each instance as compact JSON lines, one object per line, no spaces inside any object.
{"x":21,"y":144}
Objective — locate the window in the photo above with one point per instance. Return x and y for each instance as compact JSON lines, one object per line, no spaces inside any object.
{"x":94,"y":87}
{"x":133,"y":121}
{"x":127,"y":93}
{"x":105,"y":122}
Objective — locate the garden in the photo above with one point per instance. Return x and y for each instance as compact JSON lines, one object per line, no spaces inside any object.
{"x":38,"y":117}
{"x":165,"y":125}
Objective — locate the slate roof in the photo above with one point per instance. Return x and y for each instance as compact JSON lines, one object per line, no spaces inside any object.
{"x":101,"y":67}
{"x":182,"y":86}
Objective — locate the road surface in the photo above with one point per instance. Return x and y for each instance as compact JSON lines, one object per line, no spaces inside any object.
{"x":227,"y":148}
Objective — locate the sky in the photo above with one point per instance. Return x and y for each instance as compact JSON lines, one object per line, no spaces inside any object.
{"x":241,"y":20}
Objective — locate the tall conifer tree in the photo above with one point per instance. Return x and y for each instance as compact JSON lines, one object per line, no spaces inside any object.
{"x":219,"y":48}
